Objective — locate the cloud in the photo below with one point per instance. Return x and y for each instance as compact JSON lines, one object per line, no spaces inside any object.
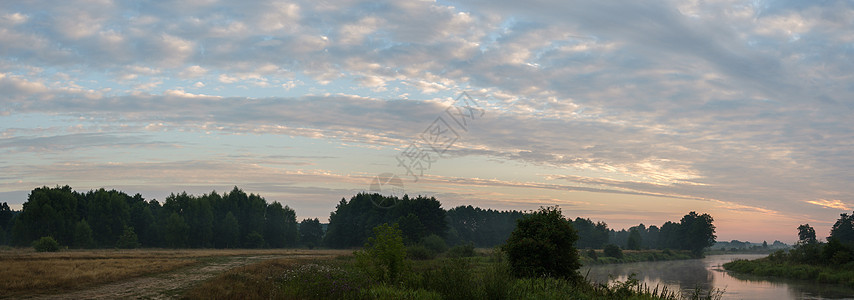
{"x":835,"y":204}
{"x":739,"y":102}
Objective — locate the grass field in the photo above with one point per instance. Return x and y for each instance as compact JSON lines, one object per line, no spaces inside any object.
{"x":480,"y":277}
{"x":26,"y":273}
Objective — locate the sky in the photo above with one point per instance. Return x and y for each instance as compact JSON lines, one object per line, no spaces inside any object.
{"x":621,"y":111}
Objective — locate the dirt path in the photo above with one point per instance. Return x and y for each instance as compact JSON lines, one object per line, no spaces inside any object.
{"x":167,"y":285}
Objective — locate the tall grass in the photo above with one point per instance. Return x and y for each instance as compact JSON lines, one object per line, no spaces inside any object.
{"x":481,"y":277}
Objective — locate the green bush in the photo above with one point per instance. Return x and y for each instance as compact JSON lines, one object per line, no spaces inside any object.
{"x":384,"y":256}
{"x":542,"y":245}
{"x":592,"y":254}
{"x":128,"y":240}
{"x":614,"y":251}
{"x":434,"y":243}
{"x":452,"y":278}
{"x":496,"y":278}
{"x":46,"y":244}
{"x":255,"y":240}
{"x":464,"y":250}
{"x":419,"y":252}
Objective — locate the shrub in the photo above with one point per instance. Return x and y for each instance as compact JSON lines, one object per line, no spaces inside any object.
{"x":464,"y":250}
{"x":614,"y":251}
{"x":419,"y":252}
{"x":434,"y":243}
{"x":46,"y":244}
{"x":384,"y":256}
{"x":453,"y":279}
{"x":592,"y":254}
{"x":496,"y":278}
{"x":128,"y":240}
{"x":83,"y":235}
{"x":542,"y":245}
{"x":254,"y":240}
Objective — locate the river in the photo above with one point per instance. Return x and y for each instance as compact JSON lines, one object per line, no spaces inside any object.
{"x":708,"y":273}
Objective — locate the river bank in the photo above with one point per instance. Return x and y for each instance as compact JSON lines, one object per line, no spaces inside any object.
{"x":707,"y":274}
{"x":767,"y":266}
{"x":631,"y":256}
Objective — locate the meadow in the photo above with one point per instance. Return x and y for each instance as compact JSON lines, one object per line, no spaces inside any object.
{"x":26,"y":273}
{"x":482,"y":276}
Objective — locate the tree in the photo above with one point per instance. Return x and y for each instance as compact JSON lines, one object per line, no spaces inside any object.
{"x":46,"y":244}
{"x":128,"y":239}
{"x":806,"y":235}
{"x":698,"y":232}
{"x":83,"y":235}
{"x":543,"y":245}
{"x":384,"y":255}
{"x":614,"y":251}
{"x":175,"y":231}
{"x":352,"y":221}
{"x":843,"y":229}
{"x":634,"y":242}
{"x":229,"y":234}
{"x":413,"y":230}
{"x":311,"y":232}
{"x":280,"y":226}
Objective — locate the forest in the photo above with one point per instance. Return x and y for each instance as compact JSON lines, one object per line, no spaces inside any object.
{"x":113,"y":219}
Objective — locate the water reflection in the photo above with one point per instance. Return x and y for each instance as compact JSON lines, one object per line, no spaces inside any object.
{"x":707,"y":273}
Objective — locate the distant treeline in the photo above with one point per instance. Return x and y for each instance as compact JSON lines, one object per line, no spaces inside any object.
{"x":351,"y":223}
{"x":104,"y":218}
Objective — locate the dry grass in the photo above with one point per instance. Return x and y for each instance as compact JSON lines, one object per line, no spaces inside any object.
{"x":255,"y":280}
{"x":25,"y":272}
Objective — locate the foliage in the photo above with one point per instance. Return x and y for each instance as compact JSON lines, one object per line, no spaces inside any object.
{"x":843,"y":229}
{"x":419,"y":252}
{"x":830,"y":262}
{"x":451,"y":278}
{"x":469,"y":278}
{"x":464,"y":250}
{"x":590,"y":235}
{"x":351,"y":222}
{"x":384,"y":255}
{"x":592,"y":254}
{"x":634,"y":242}
{"x":806,"y":235}
{"x":83,"y":235}
{"x":254,"y":240}
{"x":698,"y":232}
{"x":311,"y":233}
{"x":482,"y":227}
{"x":181,"y":221}
{"x":46,"y":244}
{"x":434,"y":243}
{"x":614,"y":251}
{"x":280,"y":226}
{"x":542,"y":245}
{"x":128,"y":239}
{"x":636,"y":256}
{"x":6,"y":215}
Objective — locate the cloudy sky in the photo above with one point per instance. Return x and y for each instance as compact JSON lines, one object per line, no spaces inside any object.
{"x":623,"y":112}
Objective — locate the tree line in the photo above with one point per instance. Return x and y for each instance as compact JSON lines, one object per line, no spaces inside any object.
{"x":103,"y":218}
{"x":837,"y":251}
